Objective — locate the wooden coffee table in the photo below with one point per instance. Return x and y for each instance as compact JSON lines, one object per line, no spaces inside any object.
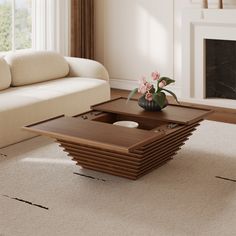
{"x":95,"y":143}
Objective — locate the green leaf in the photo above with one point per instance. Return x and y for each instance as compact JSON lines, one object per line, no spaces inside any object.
{"x":131,"y":94}
{"x":159,"y":98}
{"x":170,"y":92}
{"x":166,"y":79}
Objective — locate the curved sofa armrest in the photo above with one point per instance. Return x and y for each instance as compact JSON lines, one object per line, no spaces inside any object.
{"x":80,"y":67}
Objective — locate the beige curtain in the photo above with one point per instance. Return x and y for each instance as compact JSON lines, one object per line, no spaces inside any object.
{"x":82,"y":28}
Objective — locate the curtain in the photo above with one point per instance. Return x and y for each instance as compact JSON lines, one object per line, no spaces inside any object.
{"x":82,"y":28}
{"x":51,"y":25}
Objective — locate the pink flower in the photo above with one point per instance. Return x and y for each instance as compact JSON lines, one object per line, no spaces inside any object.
{"x":143,"y":80}
{"x":142,"y":89}
{"x":162,"y":84}
{"x":155,"y":75}
{"x":148,"y":86}
{"x":148,"y":97}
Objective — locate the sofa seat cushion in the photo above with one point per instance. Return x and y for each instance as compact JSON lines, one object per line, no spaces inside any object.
{"x":5,"y":75}
{"x":29,"y":104}
{"x":32,"y":67}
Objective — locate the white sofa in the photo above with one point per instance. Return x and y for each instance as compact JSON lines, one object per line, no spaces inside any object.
{"x":35,"y":86}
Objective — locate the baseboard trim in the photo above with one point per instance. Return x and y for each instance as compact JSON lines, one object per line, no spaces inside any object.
{"x":124,"y":84}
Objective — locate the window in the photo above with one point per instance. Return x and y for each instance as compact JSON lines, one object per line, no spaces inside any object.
{"x":15,"y":25}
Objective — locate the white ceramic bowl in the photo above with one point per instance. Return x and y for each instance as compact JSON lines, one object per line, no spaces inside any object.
{"x":126,"y":123}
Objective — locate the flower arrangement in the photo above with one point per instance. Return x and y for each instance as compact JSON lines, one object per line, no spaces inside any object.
{"x":153,"y":91}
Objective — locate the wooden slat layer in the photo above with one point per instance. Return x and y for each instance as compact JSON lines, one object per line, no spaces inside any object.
{"x":127,"y":160}
{"x":129,"y":155}
{"x":91,"y":152}
{"x":119,"y":166}
{"x":167,"y":136}
{"x":105,"y":159}
{"x":157,"y":165}
{"x":174,"y":147}
{"x":101,"y":168}
{"x":167,"y":144}
{"x":100,"y":150}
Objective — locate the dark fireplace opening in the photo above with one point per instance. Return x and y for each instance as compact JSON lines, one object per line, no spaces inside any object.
{"x":220,"y":69}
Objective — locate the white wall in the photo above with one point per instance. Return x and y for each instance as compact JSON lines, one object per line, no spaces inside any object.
{"x":179,"y":5}
{"x":135,"y":37}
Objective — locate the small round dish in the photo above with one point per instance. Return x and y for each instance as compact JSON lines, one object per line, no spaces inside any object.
{"x":126,"y":123}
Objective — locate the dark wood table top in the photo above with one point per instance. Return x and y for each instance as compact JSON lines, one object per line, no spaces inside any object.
{"x":116,"y":138}
{"x":172,"y":113}
{"x":99,"y":134}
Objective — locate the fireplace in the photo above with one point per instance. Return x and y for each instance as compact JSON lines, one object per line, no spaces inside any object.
{"x":220,"y":69}
{"x":209,"y":57}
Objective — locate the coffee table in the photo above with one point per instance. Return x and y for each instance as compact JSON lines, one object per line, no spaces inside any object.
{"x":95,"y":143}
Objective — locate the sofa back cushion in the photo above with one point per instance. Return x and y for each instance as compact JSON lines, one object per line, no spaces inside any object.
{"x":5,"y":75}
{"x":36,"y":66}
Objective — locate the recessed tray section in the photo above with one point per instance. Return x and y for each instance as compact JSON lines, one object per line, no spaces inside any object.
{"x":145,"y":124}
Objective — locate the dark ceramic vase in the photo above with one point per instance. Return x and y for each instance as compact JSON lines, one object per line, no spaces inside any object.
{"x":150,"y":106}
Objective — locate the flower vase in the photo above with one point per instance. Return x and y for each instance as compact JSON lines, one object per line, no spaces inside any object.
{"x":150,"y":105}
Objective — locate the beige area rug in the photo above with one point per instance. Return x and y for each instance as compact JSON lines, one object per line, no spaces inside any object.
{"x":41,"y":195}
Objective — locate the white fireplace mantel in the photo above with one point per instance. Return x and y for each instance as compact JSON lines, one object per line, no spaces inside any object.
{"x":198,"y":25}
